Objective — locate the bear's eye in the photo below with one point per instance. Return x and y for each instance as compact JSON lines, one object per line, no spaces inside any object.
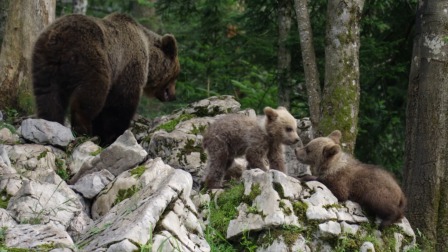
{"x":288,"y":129}
{"x":307,"y":151}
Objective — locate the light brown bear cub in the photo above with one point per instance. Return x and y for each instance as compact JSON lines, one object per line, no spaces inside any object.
{"x":259,"y":139}
{"x":372,"y":187}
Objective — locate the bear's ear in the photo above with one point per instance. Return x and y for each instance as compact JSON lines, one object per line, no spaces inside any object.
{"x":330,"y":151}
{"x":281,"y":108}
{"x":336,"y":136}
{"x":270,"y":113}
{"x":169,"y":46}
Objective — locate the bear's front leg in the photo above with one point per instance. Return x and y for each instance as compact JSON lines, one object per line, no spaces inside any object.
{"x":276,"y":160}
{"x":255,"y":157}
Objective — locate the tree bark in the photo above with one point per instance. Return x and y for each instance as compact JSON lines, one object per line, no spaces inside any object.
{"x":309,"y":60}
{"x":80,"y":6}
{"x":284,"y":53}
{"x":25,"y":20}
{"x":426,"y":149}
{"x":3,"y":15}
{"x":340,"y":100}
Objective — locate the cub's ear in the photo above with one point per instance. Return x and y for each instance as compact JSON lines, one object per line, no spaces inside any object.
{"x":169,"y":46}
{"x":270,"y":113}
{"x":281,"y":108}
{"x":330,"y":151}
{"x":336,"y":136}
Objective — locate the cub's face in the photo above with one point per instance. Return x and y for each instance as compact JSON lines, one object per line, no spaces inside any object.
{"x":281,"y":125}
{"x":319,"y":150}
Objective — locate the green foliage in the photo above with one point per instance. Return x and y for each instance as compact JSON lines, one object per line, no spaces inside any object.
{"x":138,"y":171}
{"x":4,"y":199}
{"x":224,"y":211}
{"x":171,"y":125}
{"x":61,"y":169}
{"x":125,"y":194}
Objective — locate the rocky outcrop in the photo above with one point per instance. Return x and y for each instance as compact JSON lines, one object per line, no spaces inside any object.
{"x":141,"y":193}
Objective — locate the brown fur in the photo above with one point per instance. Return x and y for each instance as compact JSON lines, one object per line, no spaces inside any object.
{"x":372,"y":187}
{"x":99,"y":68}
{"x":236,"y":135}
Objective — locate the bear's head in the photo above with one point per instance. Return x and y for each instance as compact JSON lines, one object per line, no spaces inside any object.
{"x":164,"y":68}
{"x":319,"y":152}
{"x":281,"y":125}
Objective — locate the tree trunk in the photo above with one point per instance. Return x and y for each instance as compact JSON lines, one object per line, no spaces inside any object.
{"x":25,"y":20}
{"x":284,"y":53}
{"x":3,"y":15}
{"x":426,"y":151}
{"x":80,"y":6}
{"x":340,"y":101}
{"x":309,"y":60}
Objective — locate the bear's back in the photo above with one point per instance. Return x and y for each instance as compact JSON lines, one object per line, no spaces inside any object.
{"x":238,"y":131}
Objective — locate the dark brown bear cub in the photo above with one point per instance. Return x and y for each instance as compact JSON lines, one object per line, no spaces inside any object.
{"x":372,"y":187}
{"x":259,"y":139}
{"x":99,"y":68}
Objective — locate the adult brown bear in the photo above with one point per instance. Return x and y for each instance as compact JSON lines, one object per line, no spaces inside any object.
{"x":99,"y":68}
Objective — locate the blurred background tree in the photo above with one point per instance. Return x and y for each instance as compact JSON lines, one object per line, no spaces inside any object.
{"x":231,"y":47}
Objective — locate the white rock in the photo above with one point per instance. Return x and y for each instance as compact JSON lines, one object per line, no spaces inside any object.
{"x":7,"y":137}
{"x":91,"y":184}
{"x":124,"y":154}
{"x":136,"y":217}
{"x":321,"y":196}
{"x":44,"y":203}
{"x":367,"y":247}
{"x":36,"y":235}
{"x":123,"y":246}
{"x":267,"y":203}
{"x":81,"y":154}
{"x":349,"y":228}
{"x":330,"y":229}
{"x":6,"y":220}
{"x":42,"y":131}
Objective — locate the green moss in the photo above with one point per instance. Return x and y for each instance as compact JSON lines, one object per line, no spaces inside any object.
{"x":198,"y":130}
{"x":191,"y":146}
{"x":255,"y":190}
{"x":125,"y":194}
{"x":8,"y":126}
{"x":4,"y":199}
{"x":226,"y":208}
{"x":138,"y":171}
{"x":43,"y":154}
{"x":335,"y":205}
{"x":97,"y":152}
{"x":300,"y":208}
{"x":279,"y":189}
{"x":61,"y":169}
{"x":171,"y":125}
{"x":286,"y":210}
{"x":289,"y":233}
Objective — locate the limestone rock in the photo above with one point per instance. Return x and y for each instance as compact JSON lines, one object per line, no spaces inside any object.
{"x":81,"y":154}
{"x":91,"y":184}
{"x":8,"y":137}
{"x":267,"y":208}
{"x":37,"y":235}
{"x":46,"y":132}
{"x":162,"y":189}
{"x":44,"y":203}
{"x":120,"y":156}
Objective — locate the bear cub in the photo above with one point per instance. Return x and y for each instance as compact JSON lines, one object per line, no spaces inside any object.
{"x":99,"y":68}
{"x":369,"y":185}
{"x":261,"y":138}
